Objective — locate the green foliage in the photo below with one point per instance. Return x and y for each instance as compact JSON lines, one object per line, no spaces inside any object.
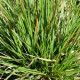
{"x":39,"y":39}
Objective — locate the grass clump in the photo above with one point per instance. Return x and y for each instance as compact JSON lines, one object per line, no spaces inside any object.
{"x":39,"y":39}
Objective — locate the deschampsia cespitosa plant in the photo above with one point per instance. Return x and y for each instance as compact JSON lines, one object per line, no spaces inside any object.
{"x":39,"y":39}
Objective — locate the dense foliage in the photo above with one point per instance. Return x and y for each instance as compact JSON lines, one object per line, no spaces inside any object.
{"x":39,"y":39}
